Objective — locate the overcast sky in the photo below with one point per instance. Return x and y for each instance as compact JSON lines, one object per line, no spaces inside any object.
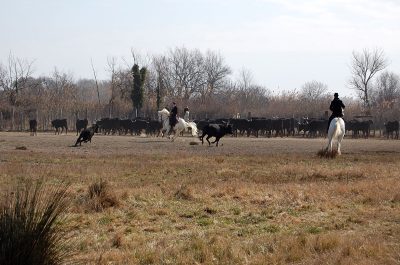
{"x":284,"y":43}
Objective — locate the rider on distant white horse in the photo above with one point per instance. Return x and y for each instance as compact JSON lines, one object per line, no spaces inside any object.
{"x":164,"y":117}
{"x":336,"y":107}
{"x":172,"y":115}
{"x":336,"y":125}
{"x":186,"y":114}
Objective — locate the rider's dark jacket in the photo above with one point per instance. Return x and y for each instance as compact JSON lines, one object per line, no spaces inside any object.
{"x":337,"y":107}
{"x":172,"y":116}
{"x":174,"y":111}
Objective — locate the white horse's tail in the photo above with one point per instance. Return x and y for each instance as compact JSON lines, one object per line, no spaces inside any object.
{"x":337,"y":130}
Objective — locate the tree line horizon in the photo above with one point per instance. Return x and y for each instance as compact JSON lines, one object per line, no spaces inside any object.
{"x":202,"y":81}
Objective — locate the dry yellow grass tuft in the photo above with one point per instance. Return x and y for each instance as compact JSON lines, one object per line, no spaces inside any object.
{"x":100,"y":196}
{"x":184,"y":192}
{"x":323,"y":153}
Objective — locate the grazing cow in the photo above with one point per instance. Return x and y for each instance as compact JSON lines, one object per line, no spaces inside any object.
{"x":317,"y":128}
{"x":289,"y":126}
{"x":215,"y":130}
{"x":392,"y":129}
{"x":126,"y":126}
{"x":33,"y":127}
{"x":60,"y":123}
{"x":351,"y":126}
{"x":109,"y":126}
{"x":257,"y":125}
{"x":81,"y":125}
{"x":303,"y":126}
{"x":240,"y":126}
{"x":364,"y":127}
{"x":358,"y":127}
{"x":139,"y":125}
{"x":87,"y":134}
{"x":154,"y":128}
{"x":277,"y":126}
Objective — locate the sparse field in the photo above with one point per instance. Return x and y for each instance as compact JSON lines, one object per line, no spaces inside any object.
{"x":250,"y":201}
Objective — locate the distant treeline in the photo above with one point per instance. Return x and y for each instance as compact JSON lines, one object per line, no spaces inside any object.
{"x":201,"y":81}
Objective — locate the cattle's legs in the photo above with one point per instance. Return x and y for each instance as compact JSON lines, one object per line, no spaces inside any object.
{"x":216,"y":140}
{"x":208,"y":137}
{"x":78,"y":141}
{"x":201,"y":137}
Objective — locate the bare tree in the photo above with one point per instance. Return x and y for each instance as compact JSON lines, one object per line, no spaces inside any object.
{"x":61,"y":88}
{"x":243,"y":83}
{"x":364,"y":66}
{"x":187,"y":71}
{"x":215,"y":73}
{"x":313,"y":90}
{"x":387,"y":89}
{"x":111,"y":63}
{"x":162,"y":70}
{"x":312,"y":94}
{"x":95,"y":79}
{"x":13,"y":80}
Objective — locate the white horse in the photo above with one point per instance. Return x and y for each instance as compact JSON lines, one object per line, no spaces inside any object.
{"x":181,"y":125}
{"x":336,"y":132}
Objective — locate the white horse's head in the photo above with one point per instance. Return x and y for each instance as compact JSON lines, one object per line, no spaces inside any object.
{"x":163,"y":114}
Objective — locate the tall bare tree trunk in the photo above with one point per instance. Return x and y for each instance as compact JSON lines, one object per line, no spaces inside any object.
{"x":12,"y":118}
{"x":1,"y":120}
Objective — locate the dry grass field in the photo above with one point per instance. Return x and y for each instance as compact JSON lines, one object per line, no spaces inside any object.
{"x":138,"y":200}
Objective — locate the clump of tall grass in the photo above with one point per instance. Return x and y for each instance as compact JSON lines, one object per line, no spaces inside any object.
{"x":101,"y":196}
{"x":323,"y":153}
{"x":30,"y":225}
{"x":184,"y":193}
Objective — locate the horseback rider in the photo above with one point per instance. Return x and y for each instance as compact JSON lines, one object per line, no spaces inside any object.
{"x":336,"y":107}
{"x":186,"y":114}
{"x":172,"y":115}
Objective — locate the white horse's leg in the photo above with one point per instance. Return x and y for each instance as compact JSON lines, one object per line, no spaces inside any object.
{"x":176,"y":133}
{"x":329,"y":148}
{"x":340,"y":138}
{"x":178,"y":130}
{"x":167,"y":130}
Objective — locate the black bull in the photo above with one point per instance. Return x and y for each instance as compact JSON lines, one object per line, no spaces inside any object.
{"x":86,"y":135}
{"x":60,"y":123}
{"x":215,"y":130}
{"x":81,"y":125}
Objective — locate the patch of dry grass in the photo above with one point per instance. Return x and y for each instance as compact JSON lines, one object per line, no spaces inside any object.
{"x":101,"y":196}
{"x":225,"y":209}
{"x":323,"y":153}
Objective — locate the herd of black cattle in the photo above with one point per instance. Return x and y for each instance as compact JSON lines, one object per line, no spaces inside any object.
{"x":240,"y":127}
